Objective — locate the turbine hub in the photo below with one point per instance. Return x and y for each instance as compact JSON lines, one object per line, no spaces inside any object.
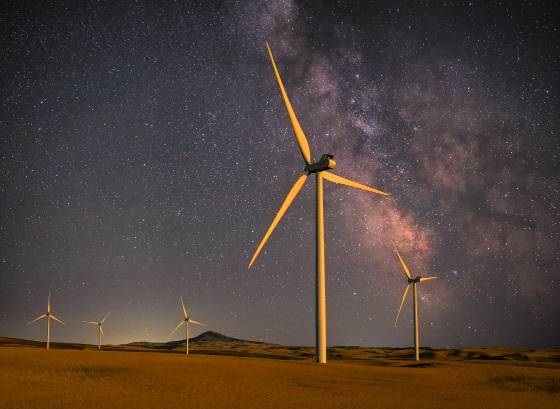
{"x":325,"y":163}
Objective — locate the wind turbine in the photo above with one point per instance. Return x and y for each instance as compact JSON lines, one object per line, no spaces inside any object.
{"x":186,"y":321}
{"x":99,"y":326}
{"x":320,"y":169}
{"x":48,"y":315}
{"x":411,"y":281}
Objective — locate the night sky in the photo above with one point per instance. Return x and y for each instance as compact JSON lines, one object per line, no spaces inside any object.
{"x":145,"y":150}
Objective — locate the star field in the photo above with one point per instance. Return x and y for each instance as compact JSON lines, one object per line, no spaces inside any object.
{"x":145,"y":150}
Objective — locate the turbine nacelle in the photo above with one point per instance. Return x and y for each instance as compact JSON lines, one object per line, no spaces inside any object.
{"x":413,"y":280}
{"x":325,"y":163}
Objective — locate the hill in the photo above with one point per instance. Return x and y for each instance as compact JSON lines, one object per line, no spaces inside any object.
{"x":214,"y":343}
{"x":205,"y":337}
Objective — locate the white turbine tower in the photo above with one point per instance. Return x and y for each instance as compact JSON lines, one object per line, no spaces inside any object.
{"x":186,"y":321}
{"x":99,"y":327}
{"x":321,"y":170}
{"x":412,"y":281}
{"x":49,"y":316}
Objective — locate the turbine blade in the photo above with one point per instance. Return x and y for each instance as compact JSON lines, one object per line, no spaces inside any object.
{"x":298,"y":132}
{"x":184,"y":309}
{"x":177,"y":327}
{"x":90,"y":322}
{"x":197,"y":323}
{"x":49,"y":304}
{"x":106,"y":316}
{"x":343,"y":181}
{"x":101,"y":330}
{"x":402,"y":303}
{"x":427,"y":278}
{"x":287,"y":202}
{"x":405,"y":268}
{"x":56,"y":319}
{"x":36,"y":319}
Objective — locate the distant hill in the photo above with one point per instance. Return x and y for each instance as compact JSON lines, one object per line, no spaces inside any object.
{"x":209,"y":339}
{"x":204,"y":338}
{"x":7,"y":341}
{"x":212,"y":336}
{"x":139,"y":344}
{"x":214,"y":343}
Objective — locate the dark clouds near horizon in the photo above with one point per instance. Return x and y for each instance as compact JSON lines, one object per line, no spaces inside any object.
{"x":145,"y":150}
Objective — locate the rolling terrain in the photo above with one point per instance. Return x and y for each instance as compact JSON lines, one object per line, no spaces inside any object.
{"x":214,"y":343}
{"x":225,"y":372}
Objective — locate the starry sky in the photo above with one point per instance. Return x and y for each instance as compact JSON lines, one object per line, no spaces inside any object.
{"x":145,"y":150}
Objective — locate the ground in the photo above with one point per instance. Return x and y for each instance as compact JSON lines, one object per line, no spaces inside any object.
{"x":32,"y":377}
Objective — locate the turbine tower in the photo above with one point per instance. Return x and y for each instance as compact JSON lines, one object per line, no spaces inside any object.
{"x":412,"y":281}
{"x":319,"y":168}
{"x":49,"y":316}
{"x":186,"y":321}
{"x":99,"y":327}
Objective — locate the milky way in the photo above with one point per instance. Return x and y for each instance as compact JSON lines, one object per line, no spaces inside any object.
{"x":145,"y":150}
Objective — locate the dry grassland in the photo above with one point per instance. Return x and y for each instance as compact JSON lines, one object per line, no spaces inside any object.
{"x":61,"y":378}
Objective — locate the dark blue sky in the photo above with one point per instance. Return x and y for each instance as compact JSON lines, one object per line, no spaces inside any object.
{"x":145,"y":150}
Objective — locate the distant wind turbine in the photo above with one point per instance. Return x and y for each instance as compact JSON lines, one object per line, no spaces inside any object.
{"x":99,"y":327}
{"x":186,"y":321}
{"x":320,"y":169}
{"x":48,"y":315}
{"x":412,"y":281}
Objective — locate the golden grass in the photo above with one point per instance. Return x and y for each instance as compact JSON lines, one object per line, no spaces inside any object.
{"x":526,"y":383}
{"x":35,"y":378}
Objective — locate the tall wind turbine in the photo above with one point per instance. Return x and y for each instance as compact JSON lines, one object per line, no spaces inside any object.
{"x":320,"y":169}
{"x":49,"y":316}
{"x":99,"y":327}
{"x":186,"y":321}
{"x":412,"y":281}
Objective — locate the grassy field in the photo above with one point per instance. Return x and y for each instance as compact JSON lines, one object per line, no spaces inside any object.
{"x":65,"y":378}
